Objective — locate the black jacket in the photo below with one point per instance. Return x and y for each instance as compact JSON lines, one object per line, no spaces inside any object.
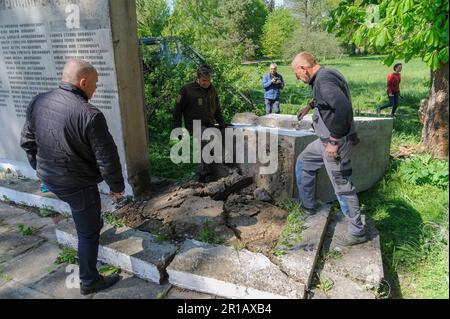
{"x":68,"y":143}
{"x":331,"y":96}
{"x":197,"y":103}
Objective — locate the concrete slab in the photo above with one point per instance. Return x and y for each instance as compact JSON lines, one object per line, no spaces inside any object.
{"x":179,"y":293}
{"x":362,"y":263}
{"x":299,"y":262}
{"x":132,"y":250}
{"x":221,"y":271}
{"x":9,"y":212}
{"x":32,"y":266}
{"x":342,"y":288}
{"x":13,"y":244}
{"x":61,"y":284}
{"x":130,"y":287}
{"x":15,"y":290}
{"x":27,"y":192}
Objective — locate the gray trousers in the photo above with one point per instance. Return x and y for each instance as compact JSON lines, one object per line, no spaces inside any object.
{"x":339,"y":171}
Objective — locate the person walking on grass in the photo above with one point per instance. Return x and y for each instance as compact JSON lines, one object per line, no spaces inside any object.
{"x":68,"y":144}
{"x":272,"y":83}
{"x":393,"y":89}
{"x":334,"y":125}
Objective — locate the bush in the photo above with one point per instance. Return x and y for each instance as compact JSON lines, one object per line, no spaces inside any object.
{"x":322,"y":44}
{"x":420,"y":170}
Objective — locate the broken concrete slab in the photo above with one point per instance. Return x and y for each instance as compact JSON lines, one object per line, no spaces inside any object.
{"x":130,"y":287}
{"x":132,"y":250}
{"x":257,"y":224}
{"x":283,"y":121}
{"x":33,"y":265}
{"x":222,"y":271}
{"x":362,"y":263}
{"x":300,"y":261}
{"x":15,"y":290}
{"x":221,"y":189}
{"x":62,"y":283}
{"x":245,"y":119}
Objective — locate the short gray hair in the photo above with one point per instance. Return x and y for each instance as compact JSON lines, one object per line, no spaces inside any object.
{"x":76,"y":69}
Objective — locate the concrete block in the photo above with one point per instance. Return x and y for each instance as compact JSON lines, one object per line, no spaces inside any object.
{"x":221,"y":271}
{"x":132,"y":250}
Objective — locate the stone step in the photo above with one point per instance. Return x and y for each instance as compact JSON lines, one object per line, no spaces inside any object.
{"x":222,"y":271}
{"x":27,"y":192}
{"x":131,"y":250}
{"x":300,"y":261}
{"x":353,"y":272}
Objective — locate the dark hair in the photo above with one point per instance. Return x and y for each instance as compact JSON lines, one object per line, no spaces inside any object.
{"x":204,"y":71}
{"x":396,"y":65}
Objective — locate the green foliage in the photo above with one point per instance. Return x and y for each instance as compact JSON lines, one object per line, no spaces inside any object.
{"x":322,"y":44}
{"x":420,"y":170}
{"x":27,"y":230}
{"x":402,"y":29}
{"x":152,"y":17}
{"x":291,"y":234}
{"x":113,"y":220}
{"x":6,"y":199}
{"x":324,"y":284}
{"x":207,"y":234}
{"x":108,"y":270}
{"x":239,"y":25}
{"x":278,"y":28}
{"x":47,"y":211}
{"x":67,"y":255}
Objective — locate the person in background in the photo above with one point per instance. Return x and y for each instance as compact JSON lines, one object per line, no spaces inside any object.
{"x":393,"y":89}
{"x":198,"y":100}
{"x":272,"y":83}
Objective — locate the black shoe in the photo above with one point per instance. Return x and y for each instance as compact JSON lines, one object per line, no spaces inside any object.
{"x":103,"y":283}
{"x":350,"y":240}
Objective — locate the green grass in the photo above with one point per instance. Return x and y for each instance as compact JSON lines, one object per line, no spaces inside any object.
{"x":108,"y":270}
{"x":207,"y":234}
{"x":113,"y":220}
{"x":67,"y":255}
{"x":26,"y":230}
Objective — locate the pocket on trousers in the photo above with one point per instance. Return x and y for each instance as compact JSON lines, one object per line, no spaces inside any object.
{"x":76,"y":201}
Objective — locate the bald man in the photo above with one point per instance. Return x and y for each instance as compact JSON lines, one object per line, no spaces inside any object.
{"x":68,"y":143}
{"x":334,"y":125}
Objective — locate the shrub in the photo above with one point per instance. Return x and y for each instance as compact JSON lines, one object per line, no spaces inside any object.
{"x":423,"y":169}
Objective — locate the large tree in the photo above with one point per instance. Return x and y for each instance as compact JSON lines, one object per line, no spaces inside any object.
{"x":406,"y":29}
{"x":276,"y":31}
{"x":152,"y":17}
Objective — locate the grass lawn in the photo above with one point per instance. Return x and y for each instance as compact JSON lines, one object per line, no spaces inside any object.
{"x":409,"y":205}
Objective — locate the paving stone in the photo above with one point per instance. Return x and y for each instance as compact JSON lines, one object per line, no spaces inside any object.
{"x":342,"y":288}
{"x":30,"y":267}
{"x":222,"y":271}
{"x":132,"y":250}
{"x":14,"y":244}
{"x":62,"y":283}
{"x":130,"y":287}
{"x":15,"y":290}
{"x":363,"y":262}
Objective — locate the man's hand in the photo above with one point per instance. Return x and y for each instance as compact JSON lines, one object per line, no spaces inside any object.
{"x":274,"y":80}
{"x":332,"y":151}
{"x":117,"y":195}
{"x":301,"y":113}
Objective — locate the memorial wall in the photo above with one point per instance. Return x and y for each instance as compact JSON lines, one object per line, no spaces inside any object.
{"x":37,"y":37}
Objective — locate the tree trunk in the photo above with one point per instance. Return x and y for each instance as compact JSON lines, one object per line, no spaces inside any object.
{"x":434,"y":115}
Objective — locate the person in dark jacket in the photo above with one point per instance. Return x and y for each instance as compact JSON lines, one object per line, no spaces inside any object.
{"x":68,"y":144}
{"x":199,"y":101}
{"x":393,"y":89}
{"x":334,"y":125}
{"x":272,"y":83}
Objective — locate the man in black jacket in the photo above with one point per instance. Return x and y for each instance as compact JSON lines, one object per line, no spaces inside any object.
{"x":199,"y":101}
{"x":68,"y":144}
{"x":334,"y":125}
